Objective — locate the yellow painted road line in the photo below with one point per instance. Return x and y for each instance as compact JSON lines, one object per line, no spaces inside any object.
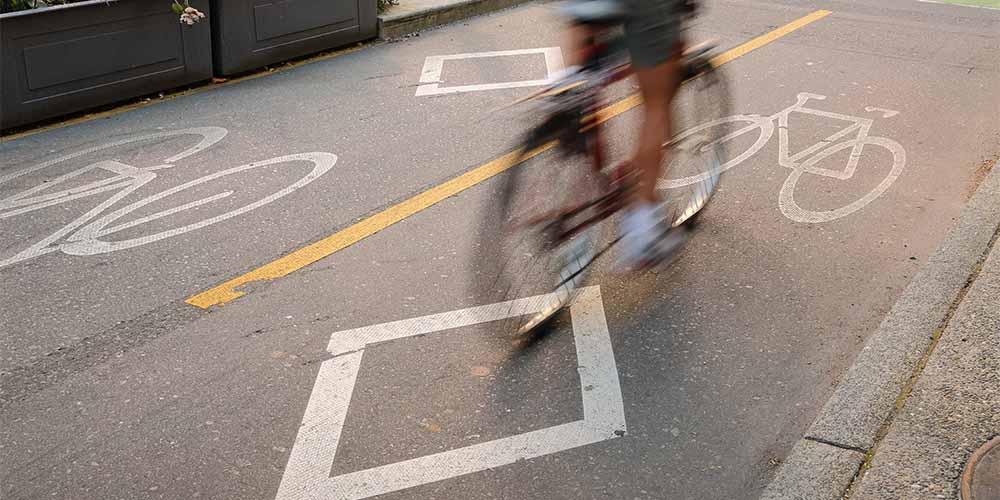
{"x":340,"y":240}
{"x":765,"y":39}
{"x":357,"y":232}
{"x":723,"y":58}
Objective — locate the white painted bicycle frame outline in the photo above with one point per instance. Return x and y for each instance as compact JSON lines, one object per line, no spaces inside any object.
{"x":83,"y":235}
{"x":805,"y":161}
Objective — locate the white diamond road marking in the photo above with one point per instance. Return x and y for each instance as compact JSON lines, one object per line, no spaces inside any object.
{"x":430,"y":77}
{"x":307,"y":475}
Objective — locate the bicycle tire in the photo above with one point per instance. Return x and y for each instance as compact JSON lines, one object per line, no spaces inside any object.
{"x":87,"y":239}
{"x":516,"y":258}
{"x":209,"y":137}
{"x":697,"y":153}
{"x":792,"y":210}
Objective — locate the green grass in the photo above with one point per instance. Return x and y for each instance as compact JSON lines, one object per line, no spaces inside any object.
{"x":977,"y":3}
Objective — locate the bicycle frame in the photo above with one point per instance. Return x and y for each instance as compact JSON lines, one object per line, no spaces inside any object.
{"x":622,"y":179}
{"x":854,"y":136}
{"x":83,"y":235}
{"x":793,"y":161}
{"x":861,"y":125}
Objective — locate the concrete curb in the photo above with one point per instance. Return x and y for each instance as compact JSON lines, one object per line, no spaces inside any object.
{"x":866,"y":396}
{"x":396,"y":25}
{"x":813,"y":471}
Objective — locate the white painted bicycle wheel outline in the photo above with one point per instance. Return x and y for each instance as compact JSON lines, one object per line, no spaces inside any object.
{"x":84,"y":241}
{"x":124,"y":185}
{"x":82,"y":235}
{"x":786,"y":198}
{"x":765,"y":126}
{"x":210,"y":136}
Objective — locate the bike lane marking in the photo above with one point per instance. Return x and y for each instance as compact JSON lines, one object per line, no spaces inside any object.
{"x":83,"y":235}
{"x":430,"y":76}
{"x":806,"y":160}
{"x":289,"y":263}
{"x":307,"y":474}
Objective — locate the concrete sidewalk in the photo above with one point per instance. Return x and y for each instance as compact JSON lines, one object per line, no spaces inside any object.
{"x":953,"y":409}
{"x":923,"y":396}
{"x":410,"y":16}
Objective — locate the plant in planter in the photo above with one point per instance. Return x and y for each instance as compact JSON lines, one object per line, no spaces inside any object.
{"x":47,"y":68}
{"x":16,"y":5}
{"x":188,"y":14}
{"x":384,"y":5}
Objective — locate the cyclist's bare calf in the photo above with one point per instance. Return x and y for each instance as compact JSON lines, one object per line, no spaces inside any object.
{"x":658,"y":86}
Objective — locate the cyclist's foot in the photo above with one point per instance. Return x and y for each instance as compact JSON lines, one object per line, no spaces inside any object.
{"x":645,"y":239}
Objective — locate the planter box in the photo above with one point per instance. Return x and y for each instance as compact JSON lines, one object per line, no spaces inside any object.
{"x":248,"y":34}
{"x":58,"y":60}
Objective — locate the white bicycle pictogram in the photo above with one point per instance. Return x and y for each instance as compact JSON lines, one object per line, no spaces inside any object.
{"x":805,"y":161}
{"x":87,"y":234}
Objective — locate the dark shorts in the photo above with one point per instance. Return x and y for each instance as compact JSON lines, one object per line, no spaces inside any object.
{"x":653,"y":33}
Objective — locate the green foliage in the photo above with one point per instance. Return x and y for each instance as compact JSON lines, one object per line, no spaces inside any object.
{"x":16,"y":5}
{"x":19,"y":5}
{"x":385,"y":4}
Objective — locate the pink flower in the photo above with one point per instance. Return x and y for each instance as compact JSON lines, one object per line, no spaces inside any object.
{"x":191,"y":15}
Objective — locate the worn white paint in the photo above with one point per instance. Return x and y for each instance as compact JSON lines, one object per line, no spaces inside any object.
{"x":307,"y":475}
{"x":83,"y":235}
{"x":807,"y":160}
{"x":430,"y":76}
{"x":886,"y":113}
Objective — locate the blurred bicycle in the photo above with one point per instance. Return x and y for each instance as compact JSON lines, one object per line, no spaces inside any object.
{"x":543,"y":230}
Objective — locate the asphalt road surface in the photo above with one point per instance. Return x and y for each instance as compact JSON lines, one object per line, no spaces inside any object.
{"x":690,"y":383}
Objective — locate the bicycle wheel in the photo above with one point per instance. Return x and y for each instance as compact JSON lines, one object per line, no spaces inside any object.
{"x":88,"y":239}
{"x":696,"y":155}
{"x":46,"y":193}
{"x":792,"y":210}
{"x":519,"y":254}
{"x":733,"y":129}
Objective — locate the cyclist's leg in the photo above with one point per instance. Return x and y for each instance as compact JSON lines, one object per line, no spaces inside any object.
{"x":654,"y":41}
{"x":653,"y":36}
{"x":658,"y":86}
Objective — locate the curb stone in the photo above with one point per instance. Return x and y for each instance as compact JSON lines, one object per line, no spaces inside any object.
{"x":814,"y":471}
{"x":953,"y":407}
{"x":866,"y":396}
{"x":397,"y":25}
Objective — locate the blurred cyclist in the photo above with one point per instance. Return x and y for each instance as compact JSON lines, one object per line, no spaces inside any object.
{"x":653,"y":37}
